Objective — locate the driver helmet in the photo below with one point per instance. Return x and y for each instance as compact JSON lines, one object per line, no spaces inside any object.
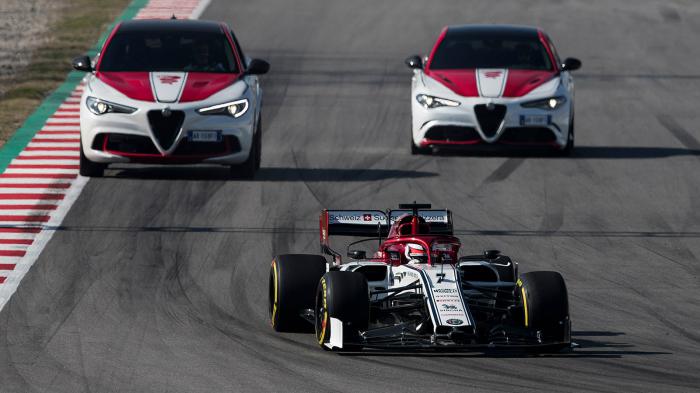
{"x":415,"y":253}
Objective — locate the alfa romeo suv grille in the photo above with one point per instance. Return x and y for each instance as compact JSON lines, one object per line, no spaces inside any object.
{"x":490,"y":119}
{"x":165,"y":128}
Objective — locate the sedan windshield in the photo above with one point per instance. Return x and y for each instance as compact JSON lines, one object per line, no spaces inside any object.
{"x":153,"y":51}
{"x":521,"y":53}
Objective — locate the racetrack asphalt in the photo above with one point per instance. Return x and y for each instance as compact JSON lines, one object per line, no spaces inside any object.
{"x":157,"y":281}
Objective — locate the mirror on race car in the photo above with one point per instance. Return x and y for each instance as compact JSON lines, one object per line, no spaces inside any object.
{"x":82,"y":63}
{"x":258,"y":67}
{"x":414,"y":62}
{"x":357,"y":254}
{"x":571,"y":64}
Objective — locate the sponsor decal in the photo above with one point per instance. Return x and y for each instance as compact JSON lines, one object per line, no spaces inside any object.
{"x":400,"y":276}
{"x":355,"y":217}
{"x":428,"y":216}
{"x":444,"y":290}
{"x":169,"y":79}
{"x":449,"y":307}
{"x":493,"y":74}
{"x":454,"y":321}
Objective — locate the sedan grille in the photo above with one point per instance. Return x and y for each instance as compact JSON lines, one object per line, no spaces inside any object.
{"x":166,"y":128}
{"x":490,"y":118}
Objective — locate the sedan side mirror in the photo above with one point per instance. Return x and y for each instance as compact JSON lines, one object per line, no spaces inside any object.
{"x":357,"y":254}
{"x":82,"y":63}
{"x":571,"y":64}
{"x":258,"y":67}
{"x":414,"y":62}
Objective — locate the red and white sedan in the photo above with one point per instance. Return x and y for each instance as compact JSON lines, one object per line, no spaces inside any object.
{"x":171,"y":92}
{"x":492,"y":84}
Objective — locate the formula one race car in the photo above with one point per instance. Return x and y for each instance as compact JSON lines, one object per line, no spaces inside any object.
{"x":414,"y":292}
{"x":489,"y":85}
{"x":171,"y":92}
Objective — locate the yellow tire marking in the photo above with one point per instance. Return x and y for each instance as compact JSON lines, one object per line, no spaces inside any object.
{"x":274,"y":303}
{"x":324,"y":323}
{"x":522,"y":291}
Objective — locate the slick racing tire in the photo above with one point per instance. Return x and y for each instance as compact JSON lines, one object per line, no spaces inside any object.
{"x":292,"y":286}
{"x":89,"y":168}
{"x":546,"y":307}
{"x":341,"y":295}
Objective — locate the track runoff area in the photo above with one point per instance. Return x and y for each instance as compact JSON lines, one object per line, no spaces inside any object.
{"x":41,"y":182}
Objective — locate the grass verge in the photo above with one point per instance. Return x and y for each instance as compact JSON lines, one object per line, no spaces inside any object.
{"x":75,"y":31}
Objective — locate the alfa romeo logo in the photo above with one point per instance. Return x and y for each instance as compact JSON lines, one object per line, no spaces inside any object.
{"x":169,"y":79}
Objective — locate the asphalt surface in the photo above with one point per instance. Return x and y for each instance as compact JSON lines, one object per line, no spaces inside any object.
{"x":158,"y":281}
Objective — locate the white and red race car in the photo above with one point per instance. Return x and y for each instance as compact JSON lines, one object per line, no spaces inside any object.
{"x":171,"y":91}
{"x":414,"y":291}
{"x":492,"y":84}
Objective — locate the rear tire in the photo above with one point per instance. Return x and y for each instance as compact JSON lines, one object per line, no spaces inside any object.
{"x":292,"y":285}
{"x":546,"y":307}
{"x":89,"y":168}
{"x":345,"y":296}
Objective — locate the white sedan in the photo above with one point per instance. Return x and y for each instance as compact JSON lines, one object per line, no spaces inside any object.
{"x":171,"y":92}
{"x":492,"y":85}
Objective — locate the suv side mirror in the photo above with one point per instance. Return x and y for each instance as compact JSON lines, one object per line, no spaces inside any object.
{"x":357,"y":254}
{"x":414,"y":62}
{"x":258,"y":67}
{"x":82,"y":63}
{"x":571,"y":64}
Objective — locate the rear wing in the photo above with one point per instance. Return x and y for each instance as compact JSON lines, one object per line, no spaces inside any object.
{"x":375,"y":223}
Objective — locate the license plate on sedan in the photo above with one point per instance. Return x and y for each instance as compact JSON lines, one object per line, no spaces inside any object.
{"x":204,"y":136}
{"x":535,"y":120}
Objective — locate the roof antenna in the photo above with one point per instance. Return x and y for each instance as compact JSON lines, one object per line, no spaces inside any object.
{"x":173,"y":17}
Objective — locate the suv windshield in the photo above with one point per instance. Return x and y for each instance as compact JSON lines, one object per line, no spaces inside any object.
{"x":522,"y":53}
{"x":184,"y":51}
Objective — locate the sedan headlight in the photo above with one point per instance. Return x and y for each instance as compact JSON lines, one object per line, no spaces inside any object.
{"x":235,"y":108}
{"x":430,"y":102}
{"x":100,"y":107}
{"x":547,"y":103}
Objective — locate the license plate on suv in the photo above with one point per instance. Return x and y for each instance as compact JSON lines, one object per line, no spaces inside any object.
{"x":204,"y":136}
{"x":535,"y":120}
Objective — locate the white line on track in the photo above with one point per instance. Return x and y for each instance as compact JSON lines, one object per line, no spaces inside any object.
{"x":61,"y":128}
{"x":42,"y":238}
{"x":62,"y":125}
{"x":17,"y":236}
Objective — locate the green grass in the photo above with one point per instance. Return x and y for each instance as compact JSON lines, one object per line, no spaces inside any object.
{"x":75,"y":31}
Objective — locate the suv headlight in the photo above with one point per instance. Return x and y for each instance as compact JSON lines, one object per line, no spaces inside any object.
{"x":234,"y":108}
{"x":100,"y":107}
{"x":547,"y":103}
{"x":430,"y":102}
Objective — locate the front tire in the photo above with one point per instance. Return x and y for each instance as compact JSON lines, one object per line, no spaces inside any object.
{"x":247,"y":169}
{"x":89,"y":168}
{"x":417,"y":150}
{"x":344,"y":296}
{"x":292,"y":285}
{"x":570,"y":140}
{"x":545,"y":304}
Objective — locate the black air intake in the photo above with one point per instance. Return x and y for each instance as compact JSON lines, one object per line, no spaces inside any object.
{"x":166,"y":128}
{"x":491,"y":119}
